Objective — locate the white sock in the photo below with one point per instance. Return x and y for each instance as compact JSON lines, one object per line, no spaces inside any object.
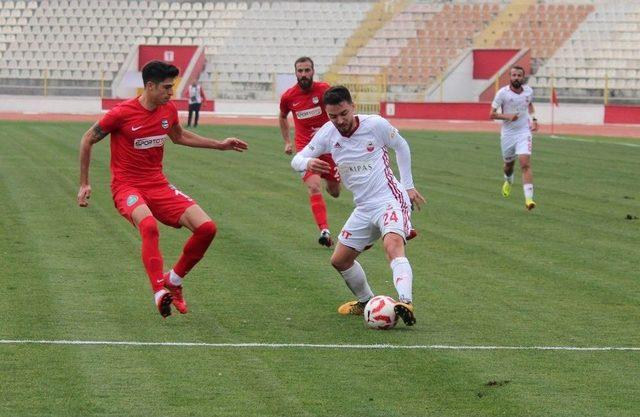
{"x":174,"y":278}
{"x":356,"y":280}
{"x":402,"y":278}
{"x":158,"y":294}
{"x":528,"y":191}
{"x":509,"y":178}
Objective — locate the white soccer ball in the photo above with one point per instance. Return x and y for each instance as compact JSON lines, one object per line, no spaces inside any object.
{"x":379,"y":313}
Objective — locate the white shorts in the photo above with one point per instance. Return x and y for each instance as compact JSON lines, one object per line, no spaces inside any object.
{"x":516,"y":144}
{"x":364,"y":227}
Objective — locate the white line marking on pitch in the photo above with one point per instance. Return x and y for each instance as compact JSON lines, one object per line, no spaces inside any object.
{"x":310,"y":345}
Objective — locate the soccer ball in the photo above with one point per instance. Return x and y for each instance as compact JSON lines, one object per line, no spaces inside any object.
{"x":379,"y":313}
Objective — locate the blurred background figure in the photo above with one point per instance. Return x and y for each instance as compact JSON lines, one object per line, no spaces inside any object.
{"x":196,"y":98}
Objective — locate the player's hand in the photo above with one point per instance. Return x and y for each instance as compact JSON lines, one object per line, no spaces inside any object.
{"x":513,"y":117}
{"x":288,"y":149}
{"x":318,"y":166}
{"x":416,"y":198}
{"x":83,"y":195}
{"x":534,"y":126}
{"x":233,"y":144}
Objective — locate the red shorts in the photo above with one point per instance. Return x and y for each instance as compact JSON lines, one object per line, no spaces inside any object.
{"x":333,"y":175}
{"x":166,"y":202}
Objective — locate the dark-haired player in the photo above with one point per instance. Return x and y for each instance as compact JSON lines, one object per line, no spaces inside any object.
{"x":142,"y":194}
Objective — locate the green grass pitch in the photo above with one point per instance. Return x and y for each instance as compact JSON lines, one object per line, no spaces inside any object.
{"x":486,"y":273}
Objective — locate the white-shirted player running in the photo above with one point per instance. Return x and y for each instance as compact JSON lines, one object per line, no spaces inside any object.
{"x":516,"y":103}
{"x":359,"y":146}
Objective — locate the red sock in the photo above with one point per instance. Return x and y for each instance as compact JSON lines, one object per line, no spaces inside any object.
{"x":195,"y":248}
{"x":319,"y":210}
{"x":151,"y":256}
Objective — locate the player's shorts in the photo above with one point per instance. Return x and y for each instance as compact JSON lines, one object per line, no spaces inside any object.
{"x":364,"y":227}
{"x":333,"y":175}
{"x":515,"y":144}
{"x":166,"y":202}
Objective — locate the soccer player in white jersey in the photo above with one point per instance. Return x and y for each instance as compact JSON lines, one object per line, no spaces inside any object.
{"x":516,"y":103}
{"x":359,"y":146}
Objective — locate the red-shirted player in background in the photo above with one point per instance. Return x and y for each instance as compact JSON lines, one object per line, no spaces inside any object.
{"x":304,"y":100}
{"x":141,"y":192}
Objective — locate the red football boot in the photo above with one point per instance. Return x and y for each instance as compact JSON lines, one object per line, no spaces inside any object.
{"x":176,"y":294}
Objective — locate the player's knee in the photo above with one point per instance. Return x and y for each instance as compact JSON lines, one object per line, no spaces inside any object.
{"x":393,"y":245}
{"x":148,"y":228}
{"x":340,"y":264}
{"x":207,"y":230}
{"x":314,"y":189}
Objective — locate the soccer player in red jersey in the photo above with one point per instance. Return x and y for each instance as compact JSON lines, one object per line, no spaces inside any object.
{"x":304,"y":100}
{"x":141,"y":192}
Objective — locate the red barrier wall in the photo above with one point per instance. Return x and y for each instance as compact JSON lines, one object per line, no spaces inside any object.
{"x":524,"y":62}
{"x":209,"y":105}
{"x":486,"y":62}
{"x":173,"y":54}
{"x":622,"y":114}
{"x":438,"y":111}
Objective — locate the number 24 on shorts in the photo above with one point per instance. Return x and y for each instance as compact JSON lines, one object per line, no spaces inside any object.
{"x":390,"y":216}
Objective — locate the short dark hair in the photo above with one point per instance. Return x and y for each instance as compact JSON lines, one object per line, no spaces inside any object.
{"x":336,"y":95}
{"x":158,"y":71}
{"x":518,"y":67}
{"x":303,"y":59}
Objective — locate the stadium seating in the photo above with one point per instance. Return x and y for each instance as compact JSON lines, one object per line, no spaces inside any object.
{"x":272,"y":36}
{"x":90,"y":26}
{"x":79,"y":44}
{"x":417,"y":45}
{"x":61,"y":41}
{"x":602,"y":53}
{"x":376,"y":56}
{"x":543,"y":29}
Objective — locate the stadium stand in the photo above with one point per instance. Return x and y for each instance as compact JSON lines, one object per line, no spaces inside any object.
{"x":419,"y":43}
{"x":543,"y":28}
{"x":377,"y":55}
{"x":78,"y":47}
{"x":272,"y":36}
{"x":510,"y":13}
{"x":443,"y":38}
{"x":75,"y":45}
{"x":601,"y":55}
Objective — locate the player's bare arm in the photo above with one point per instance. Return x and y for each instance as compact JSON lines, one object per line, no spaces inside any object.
{"x":500,"y":116}
{"x":92,"y":136}
{"x":416,"y":198}
{"x":284,"y":130}
{"x":187,"y":138}
{"x":534,"y":121}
